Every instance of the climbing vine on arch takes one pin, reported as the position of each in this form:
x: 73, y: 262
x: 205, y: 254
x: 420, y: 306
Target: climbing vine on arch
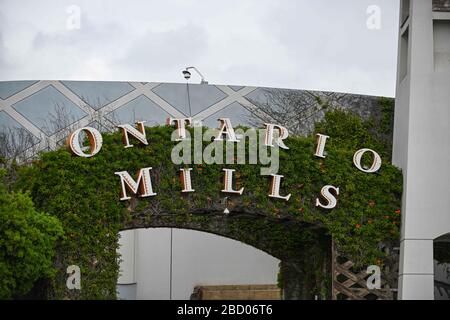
x: 83, y: 193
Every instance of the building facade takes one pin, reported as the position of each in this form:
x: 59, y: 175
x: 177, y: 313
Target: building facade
x: 38, y: 115
x: 422, y: 140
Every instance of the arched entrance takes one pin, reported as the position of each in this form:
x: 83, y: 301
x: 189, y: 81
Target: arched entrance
x: 304, y: 250
x: 183, y: 264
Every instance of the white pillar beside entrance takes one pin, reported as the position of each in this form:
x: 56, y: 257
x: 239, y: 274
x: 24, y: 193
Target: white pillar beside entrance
x: 416, y: 269
x: 421, y: 146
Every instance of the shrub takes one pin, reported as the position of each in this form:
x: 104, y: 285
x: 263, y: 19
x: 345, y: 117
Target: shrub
x: 27, y: 243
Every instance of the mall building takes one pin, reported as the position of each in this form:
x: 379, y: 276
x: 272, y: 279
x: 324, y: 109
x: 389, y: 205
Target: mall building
x: 160, y: 263
x: 421, y: 146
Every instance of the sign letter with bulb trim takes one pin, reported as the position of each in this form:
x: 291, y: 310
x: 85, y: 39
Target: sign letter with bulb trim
x: 142, y: 186
x: 228, y: 182
x: 226, y: 129
x: 376, y: 164
x: 185, y: 177
x: 269, y: 139
x: 138, y: 133
x: 95, y: 142
x: 180, y: 125
x: 327, y: 195
x: 321, y: 141
x: 275, y: 188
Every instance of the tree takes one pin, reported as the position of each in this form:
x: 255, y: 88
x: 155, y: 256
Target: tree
x: 18, y: 145
x: 14, y: 144
x: 28, y: 240
x: 297, y: 110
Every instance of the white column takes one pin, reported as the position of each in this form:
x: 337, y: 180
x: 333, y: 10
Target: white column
x: 416, y: 278
x: 422, y: 145
x: 411, y: 143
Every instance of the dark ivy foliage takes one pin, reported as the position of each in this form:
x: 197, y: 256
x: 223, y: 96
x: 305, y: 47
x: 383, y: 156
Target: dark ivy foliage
x: 83, y: 193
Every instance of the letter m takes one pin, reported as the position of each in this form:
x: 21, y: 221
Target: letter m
x: 142, y: 186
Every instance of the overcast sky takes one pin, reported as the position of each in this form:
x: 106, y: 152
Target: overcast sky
x: 301, y: 44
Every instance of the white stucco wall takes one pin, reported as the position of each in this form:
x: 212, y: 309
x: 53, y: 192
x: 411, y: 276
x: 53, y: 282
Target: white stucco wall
x: 198, y: 258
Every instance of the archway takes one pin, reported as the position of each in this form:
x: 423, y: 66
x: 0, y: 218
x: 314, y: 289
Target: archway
x: 304, y: 250
x: 173, y: 263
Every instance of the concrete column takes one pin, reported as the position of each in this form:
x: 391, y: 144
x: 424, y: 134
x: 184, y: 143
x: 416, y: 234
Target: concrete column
x: 413, y: 133
x: 416, y: 278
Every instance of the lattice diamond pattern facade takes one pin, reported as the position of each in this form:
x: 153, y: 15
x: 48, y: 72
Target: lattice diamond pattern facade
x: 49, y: 110
x: 36, y: 105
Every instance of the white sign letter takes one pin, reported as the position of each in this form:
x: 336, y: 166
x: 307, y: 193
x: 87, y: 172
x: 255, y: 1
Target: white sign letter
x: 327, y: 195
x: 185, y: 177
x: 283, y: 133
x: 142, y: 185
x: 138, y: 134
x: 95, y: 142
x: 275, y: 188
x: 226, y: 129
x: 228, y: 182
x: 180, y: 125
x: 376, y: 164
x: 321, y: 140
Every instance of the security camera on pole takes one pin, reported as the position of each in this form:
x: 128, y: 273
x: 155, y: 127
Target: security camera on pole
x: 187, y: 76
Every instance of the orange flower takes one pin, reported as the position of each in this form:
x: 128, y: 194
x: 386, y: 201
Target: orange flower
x: 386, y: 217
x: 371, y: 203
x: 357, y: 226
x: 397, y: 211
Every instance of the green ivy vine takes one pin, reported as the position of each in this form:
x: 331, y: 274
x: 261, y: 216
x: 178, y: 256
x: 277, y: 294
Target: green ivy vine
x: 83, y: 193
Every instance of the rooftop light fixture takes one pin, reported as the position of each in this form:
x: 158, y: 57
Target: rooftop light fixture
x: 187, y: 75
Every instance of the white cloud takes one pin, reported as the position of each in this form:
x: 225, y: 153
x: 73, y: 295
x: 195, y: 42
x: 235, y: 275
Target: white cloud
x: 322, y: 44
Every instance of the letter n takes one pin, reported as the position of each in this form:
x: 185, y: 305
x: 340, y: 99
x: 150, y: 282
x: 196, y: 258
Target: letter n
x: 138, y: 133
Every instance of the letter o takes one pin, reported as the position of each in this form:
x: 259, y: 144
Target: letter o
x: 95, y: 142
x: 376, y: 164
